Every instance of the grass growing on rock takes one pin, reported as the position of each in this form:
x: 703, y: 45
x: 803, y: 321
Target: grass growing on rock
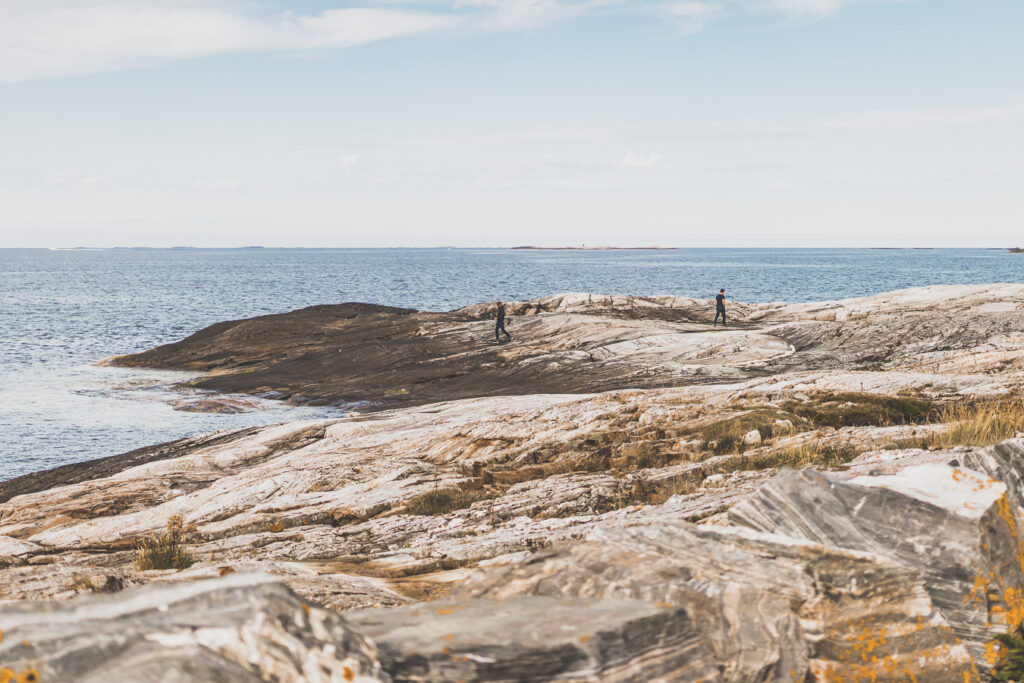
x: 443, y: 501
x: 977, y: 423
x: 860, y: 410
x: 641, y: 490
x: 167, y: 550
x: 726, y: 436
x: 1010, y: 665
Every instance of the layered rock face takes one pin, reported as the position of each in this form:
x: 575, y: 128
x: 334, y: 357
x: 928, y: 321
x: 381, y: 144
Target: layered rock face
x: 239, y: 628
x: 381, y: 357
x: 957, y: 527
x: 623, y: 534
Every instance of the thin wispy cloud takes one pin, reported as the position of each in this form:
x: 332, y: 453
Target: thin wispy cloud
x: 647, y: 161
x: 67, y: 37
x: 903, y: 119
x: 217, y: 184
x: 41, y: 38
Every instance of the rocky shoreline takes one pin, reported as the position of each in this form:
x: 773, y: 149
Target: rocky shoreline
x: 622, y: 493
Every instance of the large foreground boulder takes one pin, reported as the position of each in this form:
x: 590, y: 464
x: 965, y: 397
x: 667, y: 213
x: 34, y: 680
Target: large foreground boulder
x: 533, y: 638
x: 956, y: 527
x: 237, y: 628
x: 768, y: 608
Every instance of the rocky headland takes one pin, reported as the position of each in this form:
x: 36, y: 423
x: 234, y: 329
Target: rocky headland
x: 830, y: 491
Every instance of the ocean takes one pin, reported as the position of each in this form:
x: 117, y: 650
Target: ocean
x: 63, y: 310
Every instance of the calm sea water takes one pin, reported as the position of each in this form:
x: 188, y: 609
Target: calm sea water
x: 61, y: 311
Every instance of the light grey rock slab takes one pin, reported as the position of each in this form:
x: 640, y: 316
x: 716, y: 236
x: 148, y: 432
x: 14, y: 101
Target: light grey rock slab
x: 768, y: 607
x: 955, y: 527
x: 536, y: 638
x: 242, y: 627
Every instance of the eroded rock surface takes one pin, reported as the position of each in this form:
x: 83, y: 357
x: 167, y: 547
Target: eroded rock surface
x: 768, y: 607
x: 571, y: 343
x: 239, y: 628
x: 527, y: 511
x: 533, y: 638
x: 955, y: 526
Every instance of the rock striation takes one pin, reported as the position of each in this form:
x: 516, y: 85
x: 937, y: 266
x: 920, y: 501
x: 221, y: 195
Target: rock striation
x: 238, y: 628
x: 621, y: 494
x: 378, y: 357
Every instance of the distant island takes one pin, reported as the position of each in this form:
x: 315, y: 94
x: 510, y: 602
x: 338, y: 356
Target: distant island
x: 1016, y: 250
x: 597, y: 248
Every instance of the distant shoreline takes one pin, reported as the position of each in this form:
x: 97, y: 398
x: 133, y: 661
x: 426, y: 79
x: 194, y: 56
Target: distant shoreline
x: 598, y: 248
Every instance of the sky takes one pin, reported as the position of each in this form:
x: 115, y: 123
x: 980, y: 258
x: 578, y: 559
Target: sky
x: 690, y: 123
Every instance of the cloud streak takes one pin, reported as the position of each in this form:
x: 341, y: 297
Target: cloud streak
x: 47, y: 38
x: 40, y: 38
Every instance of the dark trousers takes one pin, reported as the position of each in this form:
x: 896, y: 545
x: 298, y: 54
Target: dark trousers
x: 720, y: 312
x: 498, y: 329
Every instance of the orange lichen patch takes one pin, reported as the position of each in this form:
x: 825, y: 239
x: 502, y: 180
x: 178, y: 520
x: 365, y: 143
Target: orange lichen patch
x: 449, y: 610
x: 1005, y: 512
x: 663, y: 605
x: 449, y: 637
x: 1011, y: 611
x: 993, y: 652
x: 28, y: 676
x: 305, y: 608
x: 891, y: 666
x: 584, y: 639
x: 6, y: 675
x: 348, y: 674
x: 276, y: 526
x: 979, y: 590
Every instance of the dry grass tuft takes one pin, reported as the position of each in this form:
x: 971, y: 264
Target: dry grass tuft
x: 860, y: 410
x: 726, y: 436
x: 807, y: 455
x: 167, y: 550
x: 442, y: 501
x: 980, y: 423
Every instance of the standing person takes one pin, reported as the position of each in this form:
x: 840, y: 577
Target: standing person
x: 720, y: 307
x: 500, y: 326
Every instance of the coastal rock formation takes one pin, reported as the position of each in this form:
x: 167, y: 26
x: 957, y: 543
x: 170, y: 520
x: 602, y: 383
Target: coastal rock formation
x: 538, y: 639
x: 955, y: 526
x: 376, y: 357
x: 768, y: 607
x: 632, y: 498
x: 239, y: 628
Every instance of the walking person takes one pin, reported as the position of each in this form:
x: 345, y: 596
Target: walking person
x: 499, y: 328
x: 720, y: 307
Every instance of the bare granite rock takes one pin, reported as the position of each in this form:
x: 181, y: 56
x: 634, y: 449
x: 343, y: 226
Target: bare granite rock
x: 544, y: 513
x: 533, y: 638
x: 767, y: 607
x: 956, y: 527
x: 238, y: 628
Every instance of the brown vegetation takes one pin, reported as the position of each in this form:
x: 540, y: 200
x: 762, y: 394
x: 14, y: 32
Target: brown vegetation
x: 165, y: 550
x: 442, y: 501
x: 975, y: 423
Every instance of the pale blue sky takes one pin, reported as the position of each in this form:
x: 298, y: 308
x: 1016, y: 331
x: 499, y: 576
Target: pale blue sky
x: 506, y: 122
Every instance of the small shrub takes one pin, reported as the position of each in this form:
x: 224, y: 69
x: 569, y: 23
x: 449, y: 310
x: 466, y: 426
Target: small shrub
x: 726, y: 436
x: 166, y: 550
x: 442, y: 501
x: 860, y: 410
x: 1010, y: 665
x: 82, y: 583
x: 812, y: 454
